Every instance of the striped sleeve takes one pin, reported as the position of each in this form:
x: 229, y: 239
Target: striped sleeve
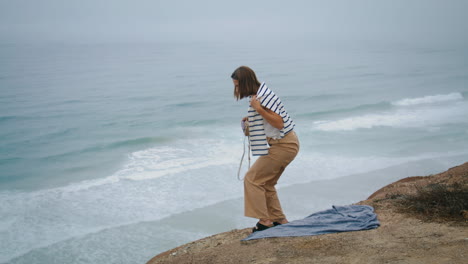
x: 271, y: 101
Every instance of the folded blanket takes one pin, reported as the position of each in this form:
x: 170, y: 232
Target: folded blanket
x: 337, y: 219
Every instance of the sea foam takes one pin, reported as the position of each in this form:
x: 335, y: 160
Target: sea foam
x: 144, y: 191
x: 427, y: 111
x: 153, y: 184
x: 430, y: 99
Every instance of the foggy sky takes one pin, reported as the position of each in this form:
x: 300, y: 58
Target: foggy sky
x: 62, y: 20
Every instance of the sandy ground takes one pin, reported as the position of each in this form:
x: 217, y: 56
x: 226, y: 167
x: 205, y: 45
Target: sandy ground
x: 401, y: 238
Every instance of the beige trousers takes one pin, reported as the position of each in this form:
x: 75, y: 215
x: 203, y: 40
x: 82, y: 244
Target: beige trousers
x: 260, y: 197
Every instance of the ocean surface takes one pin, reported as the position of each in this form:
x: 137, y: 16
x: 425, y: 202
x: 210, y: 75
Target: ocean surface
x: 115, y: 152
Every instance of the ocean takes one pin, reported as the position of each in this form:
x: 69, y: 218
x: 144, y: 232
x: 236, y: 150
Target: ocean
x: 115, y: 152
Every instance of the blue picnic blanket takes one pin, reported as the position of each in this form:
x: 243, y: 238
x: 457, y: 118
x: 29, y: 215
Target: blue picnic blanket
x: 334, y: 220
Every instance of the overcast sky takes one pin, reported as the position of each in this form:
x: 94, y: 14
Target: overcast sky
x: 423, y: 20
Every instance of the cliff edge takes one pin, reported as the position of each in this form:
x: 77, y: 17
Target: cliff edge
x: 409, y: 232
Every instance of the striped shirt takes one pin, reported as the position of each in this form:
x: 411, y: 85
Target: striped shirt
x: 257, y: 136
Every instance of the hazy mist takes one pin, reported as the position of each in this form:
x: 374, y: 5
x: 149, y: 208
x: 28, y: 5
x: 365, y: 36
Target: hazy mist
x: 146, y: 20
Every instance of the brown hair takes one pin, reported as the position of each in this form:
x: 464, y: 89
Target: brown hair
x: 248, y: 83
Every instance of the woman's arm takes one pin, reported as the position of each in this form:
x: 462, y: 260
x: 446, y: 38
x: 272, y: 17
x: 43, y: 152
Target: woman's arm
x: 271, y: 117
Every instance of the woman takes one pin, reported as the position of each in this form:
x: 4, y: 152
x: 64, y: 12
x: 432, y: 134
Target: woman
x: 272, y: 138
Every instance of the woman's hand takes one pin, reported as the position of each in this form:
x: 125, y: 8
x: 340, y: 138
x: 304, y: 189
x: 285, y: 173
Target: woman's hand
x: 271, y: 117
x: 255, y: 103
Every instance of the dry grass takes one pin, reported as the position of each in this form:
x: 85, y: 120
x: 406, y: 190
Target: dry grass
x: 436, y: 201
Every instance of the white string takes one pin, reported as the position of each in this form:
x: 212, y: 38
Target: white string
x: 242, y: 159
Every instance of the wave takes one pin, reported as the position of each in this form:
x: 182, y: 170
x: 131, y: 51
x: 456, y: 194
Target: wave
x: 171, y: 232
x: 188, y: 104
x: 8, y: 160
x: 419, y: 115
x: 137, y: 192
x: 381, y: 106
x: 110, y: 146
x: 154, y: 183
x: 386, y: 105
x: 56, y: 134
x: 157, y: 162
x: 16, y: 118
x: 7, y: 118
x: 198, y: 123
x: 137, y: 141
x: 430, y: 99
x: 314, y: 98
x: 59, y: 214
x: 365, y: 121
